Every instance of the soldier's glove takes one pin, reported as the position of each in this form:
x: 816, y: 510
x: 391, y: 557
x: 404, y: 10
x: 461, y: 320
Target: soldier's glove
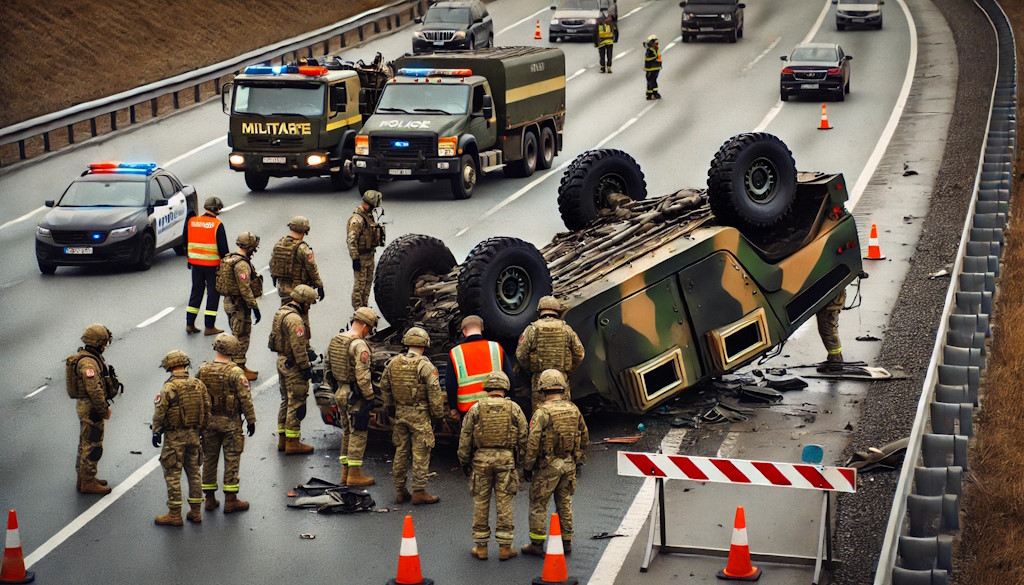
x: 273, y: 279
x: 467, y: 468
x: 251, y: 428
x: 320, y: 292
x: 356, y: 265
x: 527, y: 474
x: 256, y: 314
x: 311, y: 354
x: 307, y: 374
x: 156, y: 439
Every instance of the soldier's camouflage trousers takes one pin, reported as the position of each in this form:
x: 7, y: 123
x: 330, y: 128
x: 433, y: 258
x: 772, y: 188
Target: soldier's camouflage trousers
x: 493, y: 470
x: 341, y: 401
x: 240, y: 320
x: 355, y: 446
x: 558, y: 478
x: 294, y: 390
x: 828, y: 324
x: 181, y: 450
x: 90, y: 439
x: 222, y: 433
x: 363, y: 282
x: 413, y: 437
x: 284, y: 289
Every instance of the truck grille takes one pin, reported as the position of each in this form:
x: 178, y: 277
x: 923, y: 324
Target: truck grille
x: 571, y: 22
x: 275, y: 141
x: 809, y: 75
x: 858, y: 13
x: 425, y: 146
x: 77, y: 238
x: 439, y: 35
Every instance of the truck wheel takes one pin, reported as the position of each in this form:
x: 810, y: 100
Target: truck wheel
x: 752, y: 181
x: 256, y: 181
x: 402, y: 262
x: 548, y: 144
x: 686, y: 38
x: 591, y: 178
x: 528, y: 164
x: 46, y: 267
x: 147, y: 251
x: 501, y: 281
x: 367, y: 182
x: 465, y: 181
x: 345, y: 178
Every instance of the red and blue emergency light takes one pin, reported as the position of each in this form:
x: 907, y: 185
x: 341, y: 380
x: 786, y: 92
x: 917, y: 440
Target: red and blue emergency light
x: 138, y: 168
x: 307, y: 70
x: 426, y: 72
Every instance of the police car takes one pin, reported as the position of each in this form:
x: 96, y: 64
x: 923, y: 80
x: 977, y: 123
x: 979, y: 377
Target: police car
x: 115, y: 213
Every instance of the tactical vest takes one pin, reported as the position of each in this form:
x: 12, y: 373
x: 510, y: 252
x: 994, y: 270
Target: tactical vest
x: 551, y: 346
x: 227, y: 281
x: 284, y: 262
x: 75, y: 386
x: 278, y: 337
x: 494, y: 429
x: 405, y: 383
x: 342, y: 367
x: 185, y: 405
x: 561, y: 438
x: 371, y: 236
x: 223, y: 394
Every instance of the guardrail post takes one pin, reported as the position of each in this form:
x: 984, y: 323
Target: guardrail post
x: 113, y: 121
x: 131, y: 114
x: 46, y: 141
x: 21, y: 149
x: 376, y: 26
x: 153, y: 107
x: 360, y: 34
x: 71, y: 133
x: 92, y: 126
x: 195, y: 94
x: 174, y: 99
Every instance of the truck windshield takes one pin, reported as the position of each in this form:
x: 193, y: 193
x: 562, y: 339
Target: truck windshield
x: 443, y: 14
x: 407, y: 98
x: 305, y: 99
x: 578, y: 5
x: 104, y: 194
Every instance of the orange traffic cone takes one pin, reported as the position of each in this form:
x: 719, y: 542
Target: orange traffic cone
x: 824, y: 119
x: 536, y: 34
x: 13, y: 568
x: 555, y: 570
x: 738, y: 568
x: 409, y: 559
x: 874, y: 251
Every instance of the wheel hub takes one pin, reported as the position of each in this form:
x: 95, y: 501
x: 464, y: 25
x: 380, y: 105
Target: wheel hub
x: 609, y: 185
x: 761, y: 181
x: 469, y: 176
x: 514, y: 290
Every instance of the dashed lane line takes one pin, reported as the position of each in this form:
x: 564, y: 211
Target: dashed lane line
x: 575, y: 75
x: 37, y: 390
x: 770, y: 48
x: 521, y: 21
x: 232, y: 206
x: 622, y: 54
x: 155, y: 318
x: 24, y: 217
x: 634, y: 11
x: 200, y: 148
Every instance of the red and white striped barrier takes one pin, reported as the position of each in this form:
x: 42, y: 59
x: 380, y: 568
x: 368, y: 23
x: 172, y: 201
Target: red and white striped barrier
x: 738, y: 471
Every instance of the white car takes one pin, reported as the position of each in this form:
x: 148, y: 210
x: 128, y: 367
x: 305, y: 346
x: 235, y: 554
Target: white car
x: 854, y: 13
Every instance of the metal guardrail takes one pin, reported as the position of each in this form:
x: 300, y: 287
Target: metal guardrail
x: 918, y: 544
x: 303, y: 45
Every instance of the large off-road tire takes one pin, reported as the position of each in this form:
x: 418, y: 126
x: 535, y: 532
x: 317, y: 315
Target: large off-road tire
x: 501, y: 281
x: 367, y: 182
x: 256, y: 181
x: 752, y: 181
x: 402, y: 262
x: 525, y: 166
x: 591, y: 178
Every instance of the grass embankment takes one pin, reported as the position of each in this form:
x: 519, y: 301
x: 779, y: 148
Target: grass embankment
x: 991, y: 545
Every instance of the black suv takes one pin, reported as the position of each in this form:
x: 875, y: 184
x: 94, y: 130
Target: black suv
x: 721, y: 18
x: 454, y: 25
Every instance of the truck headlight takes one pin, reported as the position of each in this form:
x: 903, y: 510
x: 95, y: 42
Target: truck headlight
x: 236, y: 160
x: 687, y: 16
x: 42, y: 232
x: 446, y: 146
x: 554, y: 21
x: 590, y: 21
x: 461, y: 34
x: 727, y: 17
x: 315, y: 160
x: 123, y: 232
x: 363, y: 145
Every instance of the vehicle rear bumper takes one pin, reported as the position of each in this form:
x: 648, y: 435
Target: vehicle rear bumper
x: 716, y: 28
x: 794, y: 87
x: 107, y: 252
x: 406, y: 169
x: 294, y: 164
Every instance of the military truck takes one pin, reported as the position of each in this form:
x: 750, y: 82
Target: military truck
x: 665, y: 293
x: 456, y: 115
x: 300, y: 120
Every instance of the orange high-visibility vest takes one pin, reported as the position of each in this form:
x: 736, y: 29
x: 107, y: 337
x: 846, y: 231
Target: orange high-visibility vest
x: 202, y: 241
x: 474, y: 361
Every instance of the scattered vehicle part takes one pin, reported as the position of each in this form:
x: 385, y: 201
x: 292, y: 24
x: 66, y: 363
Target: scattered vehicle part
x: 762, y: 394
x: 888, y: 458
x: 867, y: 337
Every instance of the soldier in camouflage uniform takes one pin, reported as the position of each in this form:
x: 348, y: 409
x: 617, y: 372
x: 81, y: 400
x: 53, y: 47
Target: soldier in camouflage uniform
x: 182, y: 411
x: 230, y: 399
x: 240, y: 285
x: 410, y: 389
x: 348, y: 362
x: 828, y: 329
x: 292, y: 262
x: 364, y: 236
x: 557, y: 443
x: 289, y: 337
x: 92, y: 383
x: 493, y: 439
x: 548, y: 343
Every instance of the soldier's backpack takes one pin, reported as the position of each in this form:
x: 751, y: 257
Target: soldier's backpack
x: 277, y: 334
x: 74, y: 389
x: 338, y: 352
x: 227, y: 283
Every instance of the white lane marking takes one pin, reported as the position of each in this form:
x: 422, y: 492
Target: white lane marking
x: 93, y: 511
x: 12, y: 283
x: 634, y: 11
x: 155, y: 318
x: 177, y: 159
x: 38, y: 390
x: 769, y: 117
x: 770, y: 48
x: 264, y: 269
x: 674, y: 42
x: 575, y: 75
x: 270, y: 382
x: 622, y: 54
x: 232, y: 206
x: 504, y: 202
x: 521, y: 21
x: 727, y: 450
x: 24, y: 217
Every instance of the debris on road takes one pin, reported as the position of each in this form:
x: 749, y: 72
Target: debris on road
x: 722, y: 413
x: 136, y: 452
x: 307, y: 536
x: 605, y: 535
x: 867, y: 337
x: 761, y: 394
x: 888, y: 458
x: 938, y: 274
x: 629, y: 440
x: 907, y: 171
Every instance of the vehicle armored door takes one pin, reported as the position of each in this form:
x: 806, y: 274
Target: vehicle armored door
x: 338, y: 103
x: 172, y: 224
x: 482, y: 128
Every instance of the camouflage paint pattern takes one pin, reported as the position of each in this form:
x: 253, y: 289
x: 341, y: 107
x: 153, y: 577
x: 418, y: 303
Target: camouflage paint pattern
x: 181, y: 450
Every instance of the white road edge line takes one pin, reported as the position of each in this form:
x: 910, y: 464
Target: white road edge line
x: 770, y: 48
x: 155, y: 318
x: 521, y: 21
x: 177, y: 159
x: 37, y: 390
x: 575, y: 75
x: 270, y: 382
x: 622, y: 54
x: 24, y: 217
x: 232, y: 206
x: 264, y: 269
x: 634, y: 11
x: 674, y: 42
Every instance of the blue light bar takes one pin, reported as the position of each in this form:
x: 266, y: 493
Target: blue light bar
x: 400, y: 144
x: 271, y: 69
x: 428, y: 72
x: 148, y: 166
x: 97, y: 237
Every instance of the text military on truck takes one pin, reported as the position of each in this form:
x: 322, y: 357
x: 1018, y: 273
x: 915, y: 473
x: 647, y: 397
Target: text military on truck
x: 300, y: 120
x: 453, y: 116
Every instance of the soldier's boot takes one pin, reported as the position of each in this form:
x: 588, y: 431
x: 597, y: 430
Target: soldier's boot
x: 506, y: 552
x: 171, y: 518
x: 280, y: 441
x: 356, y: 478
x: 250, y: 374
x: 196, y: 514
x: 89, y: 485
x: 535, y: 548
x: 233, y: 504
x: 422, y: 497
x: 566, y: 546
x: 479, y: 551
x: 293, y: 446
x: 402, y: 495
x: 101, y: 481
x: 211, y: 501
x: 212, y: 331
x: 344, y: 474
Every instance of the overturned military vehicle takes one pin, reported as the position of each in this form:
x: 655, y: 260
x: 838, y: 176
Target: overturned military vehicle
x: 664, y: 292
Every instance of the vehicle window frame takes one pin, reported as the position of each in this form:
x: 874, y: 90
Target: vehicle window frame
x: 152, y: 196
x: 331, y: 113
x: 170, y: 183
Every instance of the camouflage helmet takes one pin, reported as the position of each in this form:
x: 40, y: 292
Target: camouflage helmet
x: 175, y: 358
x: 304, y: 294
x: 247, y: 241
x: 552, y: 381
x: 549, y: 303
x: 213, y: 204
x: 96, y: 335
x: 299, y: 224
x: 372, y: 197
x: 226, y: 344
x: 416, y: 337
x: 367, y: 316
x: 496, y: 381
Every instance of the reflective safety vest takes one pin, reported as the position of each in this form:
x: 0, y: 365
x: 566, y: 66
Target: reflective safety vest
x: 652, y: 59
x: 605, y: 36
x: 474, y: 361
x: 202, y: 241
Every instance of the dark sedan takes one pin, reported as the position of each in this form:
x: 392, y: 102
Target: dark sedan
x: 115, y: 213
x: 454, y: 25
x: 815, y: 68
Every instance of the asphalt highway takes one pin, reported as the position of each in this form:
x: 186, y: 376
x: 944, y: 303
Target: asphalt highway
x: 711, y: 91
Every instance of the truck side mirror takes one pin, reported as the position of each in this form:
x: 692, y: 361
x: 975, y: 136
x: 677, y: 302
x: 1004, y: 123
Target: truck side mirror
x: 225, y: 97
x: 553, y: 7
x: 848, y: 58
x: 488, y: 107
x: 339, y: 100
x: 741, y: 5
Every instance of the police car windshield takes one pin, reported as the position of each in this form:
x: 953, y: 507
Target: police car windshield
x: 278, y: 99
x: 578, y: 5
x: 104, y: 194
x: 436, y: 98
x: 443, y: 14
x: 814, y: 54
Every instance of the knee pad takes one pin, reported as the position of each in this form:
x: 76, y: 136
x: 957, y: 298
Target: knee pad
x: 300, y: 412
x: 95, y: 434
x: 95, y: 453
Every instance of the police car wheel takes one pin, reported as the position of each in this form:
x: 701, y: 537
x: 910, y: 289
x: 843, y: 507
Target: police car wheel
x: 47, y: 267
x: 464, y: 182
x: 147, y: 251
x: 256, y: 181
x: 403, y: 262
x: 752, y: 181
x: 591, y: 178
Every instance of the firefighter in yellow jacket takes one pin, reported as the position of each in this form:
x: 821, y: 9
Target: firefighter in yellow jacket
x: 605, y: 35
x: 652, y: 66
x: 548, y: 343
